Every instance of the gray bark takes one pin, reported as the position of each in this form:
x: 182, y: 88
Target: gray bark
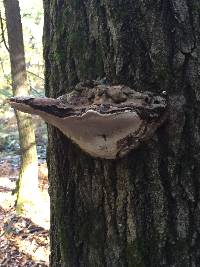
x: 142, y: 210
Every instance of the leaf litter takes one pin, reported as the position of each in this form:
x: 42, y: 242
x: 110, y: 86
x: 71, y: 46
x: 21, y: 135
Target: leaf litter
x: 22, y: 241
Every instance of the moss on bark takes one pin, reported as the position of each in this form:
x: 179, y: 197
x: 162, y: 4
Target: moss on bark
x: 151, y: 197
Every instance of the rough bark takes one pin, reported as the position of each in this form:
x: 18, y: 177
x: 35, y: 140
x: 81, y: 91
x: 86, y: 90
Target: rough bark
x: 28, y: 178
x: 142, y: 210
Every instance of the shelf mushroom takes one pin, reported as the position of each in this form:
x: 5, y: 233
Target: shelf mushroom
x: 104, y: 121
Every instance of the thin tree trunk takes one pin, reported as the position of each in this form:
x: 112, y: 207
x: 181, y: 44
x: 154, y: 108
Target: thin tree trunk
x: 28, y: 178
x: 142, y: 210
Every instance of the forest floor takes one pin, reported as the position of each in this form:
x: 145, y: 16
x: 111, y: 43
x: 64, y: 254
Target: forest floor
x: 24, y: 240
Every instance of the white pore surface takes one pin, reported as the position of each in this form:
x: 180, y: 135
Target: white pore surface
x: 95, y: 133
x: 98, y: 134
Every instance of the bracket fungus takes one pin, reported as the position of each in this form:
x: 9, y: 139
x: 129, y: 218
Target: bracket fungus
x: 105, y: 121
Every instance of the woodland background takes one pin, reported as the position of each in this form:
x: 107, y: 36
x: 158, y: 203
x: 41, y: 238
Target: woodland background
x: 23, y: 239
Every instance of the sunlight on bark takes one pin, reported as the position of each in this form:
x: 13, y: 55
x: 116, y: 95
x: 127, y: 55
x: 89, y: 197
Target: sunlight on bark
x: 28, y: 187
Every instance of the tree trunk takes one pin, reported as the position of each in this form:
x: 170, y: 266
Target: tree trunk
x: 28, y: 178
x: 144, y: 209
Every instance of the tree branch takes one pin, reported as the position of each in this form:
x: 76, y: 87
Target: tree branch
x: 3, y: 36
x: 30, y: 72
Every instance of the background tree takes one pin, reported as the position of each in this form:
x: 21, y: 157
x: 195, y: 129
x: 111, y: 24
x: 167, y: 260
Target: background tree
x: 28, y: 178
x: 142, y: 210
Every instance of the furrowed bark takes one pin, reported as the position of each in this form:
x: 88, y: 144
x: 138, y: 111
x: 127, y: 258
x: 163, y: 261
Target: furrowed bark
x: 142, y: 210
